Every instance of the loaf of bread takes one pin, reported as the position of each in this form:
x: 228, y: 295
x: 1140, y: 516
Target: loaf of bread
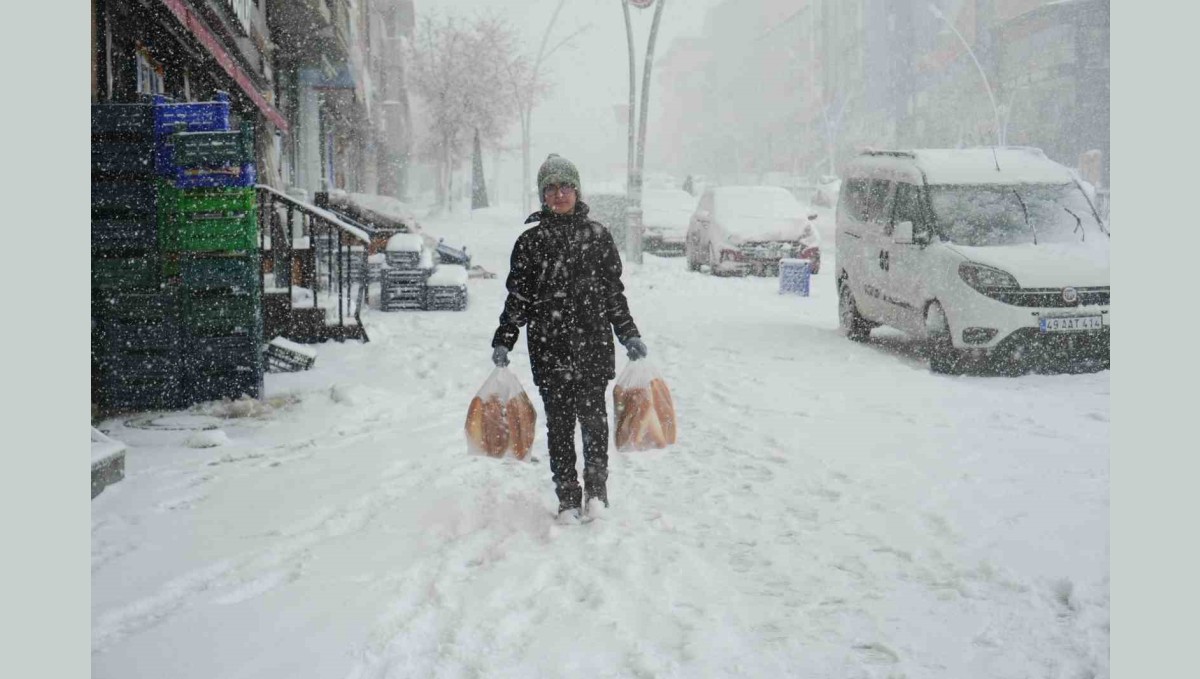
x: 645, y: 417
x: 497, y: 429
x: 522, y: 419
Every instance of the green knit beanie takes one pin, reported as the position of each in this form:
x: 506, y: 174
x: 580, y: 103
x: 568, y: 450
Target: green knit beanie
x: 557, y: 170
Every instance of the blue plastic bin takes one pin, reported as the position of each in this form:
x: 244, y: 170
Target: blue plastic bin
x: 794, y: 276
x: 199, y: 116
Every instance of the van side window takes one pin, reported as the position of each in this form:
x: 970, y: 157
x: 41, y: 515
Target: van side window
x: 908, y: 207
x: 854, y: 198
x: 878, y: 206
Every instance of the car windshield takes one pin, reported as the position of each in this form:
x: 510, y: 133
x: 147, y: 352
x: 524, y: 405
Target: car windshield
x: 994, y: 215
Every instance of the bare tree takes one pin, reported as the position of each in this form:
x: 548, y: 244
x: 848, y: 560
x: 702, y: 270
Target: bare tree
x: 459, y: 69
x: 529, y: 87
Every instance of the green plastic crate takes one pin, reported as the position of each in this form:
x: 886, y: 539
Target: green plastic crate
x: 126, y: 273
x: 205, y: 201
x: 207, y: 220
x: 210, y: 235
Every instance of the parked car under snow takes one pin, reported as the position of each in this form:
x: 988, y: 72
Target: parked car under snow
x: 739, y: 230
x: 665, y: 217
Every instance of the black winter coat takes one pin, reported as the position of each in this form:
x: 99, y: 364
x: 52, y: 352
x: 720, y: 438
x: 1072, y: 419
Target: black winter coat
x: 565, y: 284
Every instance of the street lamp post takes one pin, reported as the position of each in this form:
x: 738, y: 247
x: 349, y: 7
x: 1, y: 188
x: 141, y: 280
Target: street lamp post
x: 991, y: 96
x: 633, y: 210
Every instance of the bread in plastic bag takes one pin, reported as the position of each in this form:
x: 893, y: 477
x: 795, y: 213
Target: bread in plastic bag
x: 643, y: 409
x: 501, y: 418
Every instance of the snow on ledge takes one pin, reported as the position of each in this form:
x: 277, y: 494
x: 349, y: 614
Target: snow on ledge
x: 286, y: 343
x: 105, y: 448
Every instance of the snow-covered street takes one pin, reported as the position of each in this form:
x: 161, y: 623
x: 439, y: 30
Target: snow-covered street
x: 831, y: 509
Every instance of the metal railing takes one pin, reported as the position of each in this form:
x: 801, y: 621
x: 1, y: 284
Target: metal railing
x: 333, y: 262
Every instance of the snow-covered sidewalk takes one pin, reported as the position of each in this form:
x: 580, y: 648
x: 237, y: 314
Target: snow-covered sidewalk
x: 830, y: 510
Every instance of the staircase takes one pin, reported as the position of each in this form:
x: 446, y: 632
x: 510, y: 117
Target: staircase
x: 312, y: 251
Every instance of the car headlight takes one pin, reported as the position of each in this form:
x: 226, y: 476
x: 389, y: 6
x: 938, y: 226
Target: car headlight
x: 983, y: 277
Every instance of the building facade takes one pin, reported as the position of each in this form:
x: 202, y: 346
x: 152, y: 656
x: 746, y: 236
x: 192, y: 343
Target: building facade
x: 321, y: 81
x: 803, y: 89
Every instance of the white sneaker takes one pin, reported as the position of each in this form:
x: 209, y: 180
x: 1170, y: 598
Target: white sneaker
x: 569, y: 517
x: 594, y: 509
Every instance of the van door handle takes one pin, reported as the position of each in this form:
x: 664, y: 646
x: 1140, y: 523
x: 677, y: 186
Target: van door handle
x: 885, y: 260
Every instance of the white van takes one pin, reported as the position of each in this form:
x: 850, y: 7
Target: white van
x: 989, y: 253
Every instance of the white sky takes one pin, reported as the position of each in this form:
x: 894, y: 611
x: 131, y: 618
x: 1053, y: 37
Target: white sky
x: 578, y: 121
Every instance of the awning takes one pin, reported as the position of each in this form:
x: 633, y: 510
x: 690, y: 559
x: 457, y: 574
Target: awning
x: 197, y: 28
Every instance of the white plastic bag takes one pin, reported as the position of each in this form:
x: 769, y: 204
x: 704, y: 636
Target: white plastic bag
x: 642, y: 408
x: 501, y: 419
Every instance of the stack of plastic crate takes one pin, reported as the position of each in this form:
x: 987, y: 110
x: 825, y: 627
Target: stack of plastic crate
x: 135, y: 329
x: 446, y: 288
x: 409, y: 264
x: 211, y: 235
x: 208, y: 234
x: 141, y: 349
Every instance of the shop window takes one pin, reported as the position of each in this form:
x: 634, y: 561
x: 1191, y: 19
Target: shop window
x: 150, y: 73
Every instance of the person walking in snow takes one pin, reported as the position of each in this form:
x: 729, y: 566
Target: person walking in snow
x: 565, y: 286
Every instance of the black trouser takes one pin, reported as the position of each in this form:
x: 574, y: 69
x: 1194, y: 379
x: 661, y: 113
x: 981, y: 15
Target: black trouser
x: 565, y: 403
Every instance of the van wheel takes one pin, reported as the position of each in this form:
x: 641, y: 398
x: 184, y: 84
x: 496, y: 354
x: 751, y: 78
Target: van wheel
x: 943, y: 357
x: 850, y: 322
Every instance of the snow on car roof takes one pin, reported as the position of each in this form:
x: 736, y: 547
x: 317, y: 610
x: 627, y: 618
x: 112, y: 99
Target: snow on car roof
x: 771, y: 202
x: 759, y: 213
x: 670, y: 208
x: 405, y: 242
x: 978, y: 166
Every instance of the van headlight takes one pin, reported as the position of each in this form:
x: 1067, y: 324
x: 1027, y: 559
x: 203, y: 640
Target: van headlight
x: 982, y: 277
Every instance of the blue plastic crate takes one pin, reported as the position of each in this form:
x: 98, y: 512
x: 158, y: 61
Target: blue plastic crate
x: 794, y: 276
x: 198, y: 116
x: 230, y: 177
x: 224, y: 150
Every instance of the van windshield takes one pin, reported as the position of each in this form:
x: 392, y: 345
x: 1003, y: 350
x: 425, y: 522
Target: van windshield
x: 991, y: 215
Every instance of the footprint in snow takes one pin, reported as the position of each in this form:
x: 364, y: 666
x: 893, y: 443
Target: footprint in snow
x: 876, y: 654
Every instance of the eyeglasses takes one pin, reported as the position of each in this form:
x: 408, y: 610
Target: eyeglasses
x: 560, y: 189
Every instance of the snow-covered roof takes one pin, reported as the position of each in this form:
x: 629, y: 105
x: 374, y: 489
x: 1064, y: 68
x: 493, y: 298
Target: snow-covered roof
x: 405, y: 242
x: 448, y: 276
x: 386, y: 205
x: 978, y: 166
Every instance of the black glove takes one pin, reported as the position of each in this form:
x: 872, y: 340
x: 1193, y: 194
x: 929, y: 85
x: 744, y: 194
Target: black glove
x: 636, y: 349
x: 500, y: 357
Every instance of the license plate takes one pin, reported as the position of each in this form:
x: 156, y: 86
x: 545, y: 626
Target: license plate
x: 1071, y: 323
